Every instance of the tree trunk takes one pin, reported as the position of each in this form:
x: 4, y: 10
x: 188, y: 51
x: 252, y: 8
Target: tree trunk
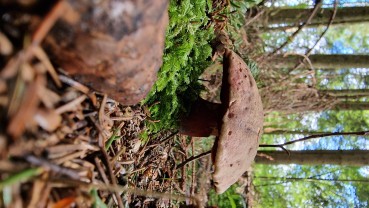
x: 352, y: 106
x: 315, y: 157
x: 298, y: 16
x: 283, y: 132
x: 337, y: 61
x: 342, y: 94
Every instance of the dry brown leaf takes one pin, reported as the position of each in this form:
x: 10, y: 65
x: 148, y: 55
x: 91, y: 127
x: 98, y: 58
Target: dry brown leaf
x: 136, y: 146
x: 69, y: 95
x: 3, y: 144
x: 27, y: 108
x: 3, y: 87
x: 42, y: 56
x: 6, y: 47
x: 49, y: 120
x: 48, y: 97
x: 4, y: 100
x: 65, y: 202
x: 63, y: 149
x: 40, y: 188
x: 71, y: 106
x: 11, y: 68
x: 27, y: 72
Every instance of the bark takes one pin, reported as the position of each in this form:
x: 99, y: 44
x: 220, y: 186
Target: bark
x: 336, y: 61
x: 315, y: 157
x: 298, y: 16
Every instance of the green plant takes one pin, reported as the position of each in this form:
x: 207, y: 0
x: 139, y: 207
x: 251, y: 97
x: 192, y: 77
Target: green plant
x: 230, y: 198
x: 187, y: 54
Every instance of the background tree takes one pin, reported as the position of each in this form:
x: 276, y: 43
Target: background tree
x: 326, y: 93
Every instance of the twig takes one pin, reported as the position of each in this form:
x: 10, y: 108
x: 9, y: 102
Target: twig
x: 74, y: 84
x: 111, y: 175
x: 169, y: 137
x: 290, y: 38
x: 254, y: 18
x: 103, y: 175
x: 119, y: 188
x: 322, y: 35
x: 48, y: 22
x: 193, y: 158
x: 52, y: 167
x: 71, y: 105
x: 193, y: 168
x: 306, y: 57
x: 356, y: 133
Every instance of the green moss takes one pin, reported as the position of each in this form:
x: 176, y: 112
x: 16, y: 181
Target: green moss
x: 187, y: 54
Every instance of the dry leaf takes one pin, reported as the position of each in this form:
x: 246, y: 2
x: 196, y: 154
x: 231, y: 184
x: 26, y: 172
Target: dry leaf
x: 6, y: 47
x: 49, y: 120
x: 48, y: 97
x: 71, y: 106
x: 3, y: 87
x: 65, y: 202
x: 27, y: 108
x: 42, y: 56
x: 27, y: 72
x: 136, y: 146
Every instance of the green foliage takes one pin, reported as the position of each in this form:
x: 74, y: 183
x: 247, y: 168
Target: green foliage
x: 236, y: 20
x: 97, y: 202
x: 235, y: 28
x: 187, y: 54
x: 352, y: 37
x: 20, y: 177
x: 332, y: 188
x: 230, y: 198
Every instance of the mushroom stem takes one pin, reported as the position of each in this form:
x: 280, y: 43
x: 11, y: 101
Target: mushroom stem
x: 203, y: 119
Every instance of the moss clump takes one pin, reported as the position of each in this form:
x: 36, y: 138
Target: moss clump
x: 187, y: 54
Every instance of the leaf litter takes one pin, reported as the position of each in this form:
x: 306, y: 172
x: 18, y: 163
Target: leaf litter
x: 63, y: 145
x: 51, y: 133
x: 52, y: 130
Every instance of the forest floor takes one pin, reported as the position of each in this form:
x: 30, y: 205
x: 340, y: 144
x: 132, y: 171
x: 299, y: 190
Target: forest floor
x: 59, y: 139
x: 62, y: 144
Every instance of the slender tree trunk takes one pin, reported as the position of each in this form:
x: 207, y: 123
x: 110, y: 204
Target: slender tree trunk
x: 282, y: 132
x: 352, y: 106
x: 336, y: 61
x: 315, y: 157
x: 342, y: 94
x: 298, y: 16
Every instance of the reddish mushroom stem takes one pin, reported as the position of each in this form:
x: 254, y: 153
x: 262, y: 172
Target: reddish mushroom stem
x: 203, y: 120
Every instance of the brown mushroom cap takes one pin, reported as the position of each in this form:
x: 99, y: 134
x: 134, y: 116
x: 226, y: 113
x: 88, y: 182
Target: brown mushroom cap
x: 114, y: 47
x: 241, y: 126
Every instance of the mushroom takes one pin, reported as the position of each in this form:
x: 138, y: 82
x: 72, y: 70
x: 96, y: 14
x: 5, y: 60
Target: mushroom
x: 114, y: 47
x: 237, y: 122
